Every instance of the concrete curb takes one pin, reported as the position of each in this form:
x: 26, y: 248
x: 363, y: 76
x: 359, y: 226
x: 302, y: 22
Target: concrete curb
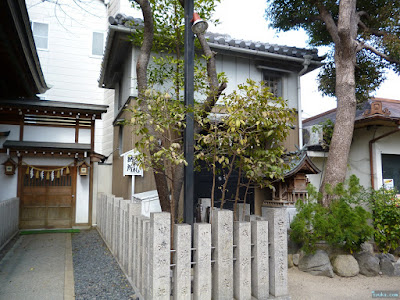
x: 69, y: 284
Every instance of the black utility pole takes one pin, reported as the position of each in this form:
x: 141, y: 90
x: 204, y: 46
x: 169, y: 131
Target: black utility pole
x: 189, y: 102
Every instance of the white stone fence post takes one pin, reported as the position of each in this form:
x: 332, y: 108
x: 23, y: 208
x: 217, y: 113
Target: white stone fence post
x: 223, y: 260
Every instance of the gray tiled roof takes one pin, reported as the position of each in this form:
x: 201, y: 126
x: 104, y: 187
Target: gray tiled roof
x: 392, y: 106
x: 226, y: 40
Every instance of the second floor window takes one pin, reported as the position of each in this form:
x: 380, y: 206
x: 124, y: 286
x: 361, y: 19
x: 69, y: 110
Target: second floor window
x: 274, y: 82
x: 97, y: 43
x: 41, y: 35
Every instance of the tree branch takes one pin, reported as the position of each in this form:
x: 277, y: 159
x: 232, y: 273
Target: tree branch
x: 329, y: 22
x: 216, y: 89
x: 145, y: 50
x: 366, y: 29
x: 377, y: 52
x: 308, y: 20
x: 141, y: 74
x: 211, y: 69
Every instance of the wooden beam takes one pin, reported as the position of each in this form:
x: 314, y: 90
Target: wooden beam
x: 77, y: 130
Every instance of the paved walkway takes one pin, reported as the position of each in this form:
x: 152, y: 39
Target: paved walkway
x: 38, y: 266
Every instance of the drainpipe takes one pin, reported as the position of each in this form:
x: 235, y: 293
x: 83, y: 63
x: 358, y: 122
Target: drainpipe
x: 306, y: 63
x: 371, y: 161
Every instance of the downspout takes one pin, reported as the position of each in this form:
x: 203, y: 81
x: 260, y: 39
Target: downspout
x: 306, y: 63
x: 371, y: 161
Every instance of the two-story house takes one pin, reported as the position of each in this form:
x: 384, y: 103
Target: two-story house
x: 280, y: 67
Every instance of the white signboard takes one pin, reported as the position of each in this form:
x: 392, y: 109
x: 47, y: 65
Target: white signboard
x: 388, y: 184
x: 131, y: 165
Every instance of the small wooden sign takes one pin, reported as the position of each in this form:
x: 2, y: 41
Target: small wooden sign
x: 131, y: 164
x: 9, y: 167
x: 84, y: 169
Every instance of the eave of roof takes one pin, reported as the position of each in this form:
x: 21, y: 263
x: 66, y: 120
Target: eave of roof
x: 58, y: 106
x: 302, y: 164
x: 46, y: 146
x: 20, y: 59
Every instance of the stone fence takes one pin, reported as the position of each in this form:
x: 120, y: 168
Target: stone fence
x: 222, y: 260
x: 9, y: 219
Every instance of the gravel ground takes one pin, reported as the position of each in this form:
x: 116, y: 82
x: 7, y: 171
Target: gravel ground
x: 97, y: 275
x: 304, y: 286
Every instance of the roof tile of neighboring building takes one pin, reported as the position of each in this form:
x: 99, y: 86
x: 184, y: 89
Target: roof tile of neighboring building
x: 374, y: 109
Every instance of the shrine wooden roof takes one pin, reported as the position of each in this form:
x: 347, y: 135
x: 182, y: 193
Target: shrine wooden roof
x: 301, y: 163
x: 74, y: 150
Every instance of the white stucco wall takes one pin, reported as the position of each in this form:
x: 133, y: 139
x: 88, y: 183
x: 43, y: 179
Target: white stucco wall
x: 387, y: 145
x: 359, y: 161
x: 8, y: 183
x: 102, y: 184
x: 13, y: 136
x: 55, y: 134
x: 108, y: 128
x: 42, y: 161
x: 236, y: 69
x: 82, y: 199
x: 319, y: 162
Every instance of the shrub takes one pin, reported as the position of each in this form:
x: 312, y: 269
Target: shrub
x: 344, y: 224
x: 386, y: 212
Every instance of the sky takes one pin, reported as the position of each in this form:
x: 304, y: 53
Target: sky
x: 246, y: 21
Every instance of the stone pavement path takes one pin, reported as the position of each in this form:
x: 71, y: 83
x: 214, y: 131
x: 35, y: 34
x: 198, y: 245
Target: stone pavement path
x: 53, y: 266
x: 39, y: 267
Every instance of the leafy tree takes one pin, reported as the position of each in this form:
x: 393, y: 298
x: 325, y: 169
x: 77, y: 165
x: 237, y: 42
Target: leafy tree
x: 386, y: 217
x: 343, y: 224
x: 162, y: 32
x: 247, y: 137
x: 364, y: 37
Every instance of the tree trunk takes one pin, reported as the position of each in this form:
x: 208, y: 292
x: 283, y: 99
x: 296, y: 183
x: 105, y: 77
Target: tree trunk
x: 177, y: 188
x: 336, y: 167
x: 162, y: 190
